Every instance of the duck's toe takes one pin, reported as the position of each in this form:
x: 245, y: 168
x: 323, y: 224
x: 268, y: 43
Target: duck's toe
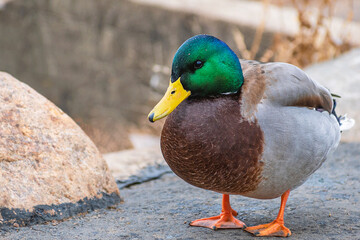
x: 273, y: 229
x: 224, y: 220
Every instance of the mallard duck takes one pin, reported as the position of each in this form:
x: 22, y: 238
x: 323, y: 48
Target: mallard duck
x: 240, y: 127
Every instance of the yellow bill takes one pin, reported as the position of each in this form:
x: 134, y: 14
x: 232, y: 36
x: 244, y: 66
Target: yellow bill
x: 174, y: 95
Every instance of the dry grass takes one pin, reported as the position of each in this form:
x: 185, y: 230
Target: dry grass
x: 313, y: 42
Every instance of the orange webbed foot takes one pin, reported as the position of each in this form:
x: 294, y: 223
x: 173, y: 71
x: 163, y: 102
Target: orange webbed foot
x: 276, y: 228
x: 273, y: 229
x: 224, y: 220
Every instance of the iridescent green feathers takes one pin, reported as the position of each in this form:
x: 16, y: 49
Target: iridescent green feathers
x: 207, y: 66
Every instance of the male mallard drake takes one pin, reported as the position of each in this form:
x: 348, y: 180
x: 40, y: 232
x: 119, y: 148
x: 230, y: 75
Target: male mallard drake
x: 243, y: 127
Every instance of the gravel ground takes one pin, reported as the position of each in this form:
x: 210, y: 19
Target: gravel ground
x: 325, y: 207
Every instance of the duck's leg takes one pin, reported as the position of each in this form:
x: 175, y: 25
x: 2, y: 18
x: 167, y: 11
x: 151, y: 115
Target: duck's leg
x: 275, y: 228
x: 225, y: 220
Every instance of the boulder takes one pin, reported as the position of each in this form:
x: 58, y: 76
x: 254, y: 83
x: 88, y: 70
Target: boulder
x: 49, y: 168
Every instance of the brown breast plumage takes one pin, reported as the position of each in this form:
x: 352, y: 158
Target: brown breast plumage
x: 210, y: 145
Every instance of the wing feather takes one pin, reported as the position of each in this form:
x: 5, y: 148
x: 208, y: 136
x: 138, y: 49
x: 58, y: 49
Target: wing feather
x: 282, y: 84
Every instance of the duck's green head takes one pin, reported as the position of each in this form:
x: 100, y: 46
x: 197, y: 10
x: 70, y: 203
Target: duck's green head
x: 202, y: 66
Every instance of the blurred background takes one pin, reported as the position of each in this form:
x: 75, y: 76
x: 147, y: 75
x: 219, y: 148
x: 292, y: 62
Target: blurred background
x: 106, y: 63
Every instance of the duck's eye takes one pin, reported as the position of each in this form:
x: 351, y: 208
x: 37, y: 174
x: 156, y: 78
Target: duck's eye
x: 198, y: 64
x: 172, y: 92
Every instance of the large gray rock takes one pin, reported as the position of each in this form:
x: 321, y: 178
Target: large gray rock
x: 49, y: 169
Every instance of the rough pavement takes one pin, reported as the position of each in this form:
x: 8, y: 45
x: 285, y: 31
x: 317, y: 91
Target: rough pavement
x: 325, y: 207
